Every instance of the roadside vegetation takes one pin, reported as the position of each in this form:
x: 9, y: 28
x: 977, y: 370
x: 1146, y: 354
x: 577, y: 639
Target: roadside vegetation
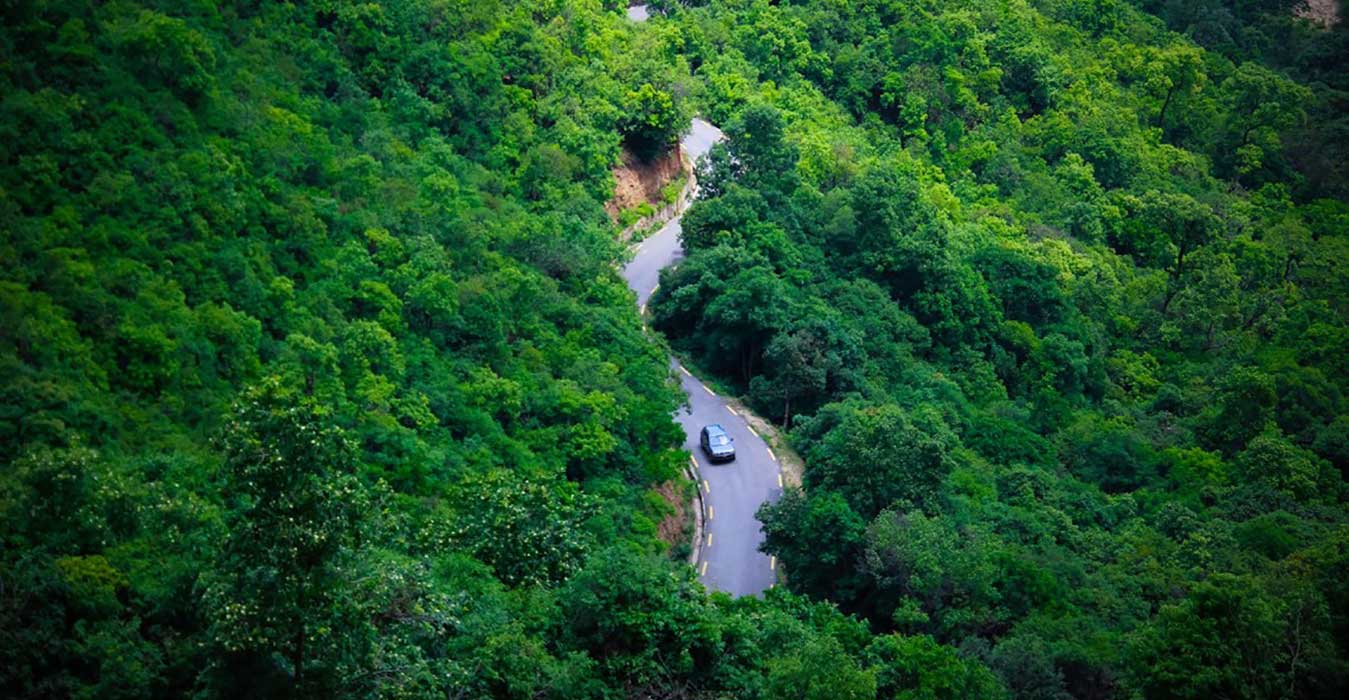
x: 1052, y: 300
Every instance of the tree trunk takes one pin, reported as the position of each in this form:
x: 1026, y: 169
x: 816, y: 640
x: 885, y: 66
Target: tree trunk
x: 298, y: 659
x: 1171, y: 290
x: 1161, y: 115
x: 1173, y: 285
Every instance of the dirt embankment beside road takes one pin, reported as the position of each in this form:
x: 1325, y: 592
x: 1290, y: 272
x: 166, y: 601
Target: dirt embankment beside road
x: 1323, y: 12
x: 638, y: 183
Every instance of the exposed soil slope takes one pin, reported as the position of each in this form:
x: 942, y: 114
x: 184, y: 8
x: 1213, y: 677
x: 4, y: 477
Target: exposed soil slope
x: 637, y: 182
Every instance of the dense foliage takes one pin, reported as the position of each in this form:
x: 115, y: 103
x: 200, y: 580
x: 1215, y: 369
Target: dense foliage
x: 303, y: 306
x: 1053, y: 300
x: 318, y: 380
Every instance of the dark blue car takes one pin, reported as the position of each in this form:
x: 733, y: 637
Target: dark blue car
x: 716, y: 444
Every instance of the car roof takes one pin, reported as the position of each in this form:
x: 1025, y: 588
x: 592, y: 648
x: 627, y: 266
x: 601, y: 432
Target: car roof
x: 715, y: 428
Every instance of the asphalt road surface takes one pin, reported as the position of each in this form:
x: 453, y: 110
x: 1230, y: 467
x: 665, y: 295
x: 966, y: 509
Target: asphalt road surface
x: 730, y: 559
x: 662, y: 247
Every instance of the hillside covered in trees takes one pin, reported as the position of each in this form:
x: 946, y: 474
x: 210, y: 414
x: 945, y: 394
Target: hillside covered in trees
x: 319, y: 381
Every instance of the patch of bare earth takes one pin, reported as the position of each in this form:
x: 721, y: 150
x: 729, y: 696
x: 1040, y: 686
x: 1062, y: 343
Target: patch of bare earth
x: 671, y: 529
x: 636, y: 182
x: 1323, y: 12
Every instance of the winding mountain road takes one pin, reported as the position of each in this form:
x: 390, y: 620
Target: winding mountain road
x: 729, y: 558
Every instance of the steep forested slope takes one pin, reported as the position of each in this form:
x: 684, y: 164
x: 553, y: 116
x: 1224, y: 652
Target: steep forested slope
x: 250, y: 242
x: 1055, y: 306
x: 310, y: 338
x: 318, y: 380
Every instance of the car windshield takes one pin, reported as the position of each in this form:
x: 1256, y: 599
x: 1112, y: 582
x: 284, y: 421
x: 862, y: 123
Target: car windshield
x: 719, y: 440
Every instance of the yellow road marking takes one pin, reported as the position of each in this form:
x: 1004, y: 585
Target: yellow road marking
x: 779, y: 479
x: 709, y: 539
x: 693, y: 462
x: 711, y: 513
x: 773, y: 563
x: 704, y: 571
x: 642, y: 310
x: 706, y: 486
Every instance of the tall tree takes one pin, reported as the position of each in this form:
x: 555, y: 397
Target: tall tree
x: 653, y: 120
x: 1171, y: 74
x: 276, y: 599
x: 876, y: 455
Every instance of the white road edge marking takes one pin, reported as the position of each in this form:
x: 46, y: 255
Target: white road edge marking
x: 773, y: 563
x: 685, y: 371
x: 709, y: 391
x: 653, y: 290
x: 779, y: 479
x: 704, y: 571
x: 709, y: 539
x: 706, y: 486
x: 771, y: 455
x: 752, y: 430
x: 733, y: 411
x: 711, y: 513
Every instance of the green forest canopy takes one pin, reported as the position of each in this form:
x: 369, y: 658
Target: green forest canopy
x: 319, y: 380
